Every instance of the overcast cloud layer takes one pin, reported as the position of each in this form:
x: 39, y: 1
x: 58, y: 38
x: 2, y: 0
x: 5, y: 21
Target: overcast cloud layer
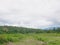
x: 30, y: 13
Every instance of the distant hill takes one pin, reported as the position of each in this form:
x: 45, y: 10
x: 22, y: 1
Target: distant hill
x: 14, y: 29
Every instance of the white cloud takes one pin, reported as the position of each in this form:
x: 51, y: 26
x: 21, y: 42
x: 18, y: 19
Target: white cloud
x: 30, y: 13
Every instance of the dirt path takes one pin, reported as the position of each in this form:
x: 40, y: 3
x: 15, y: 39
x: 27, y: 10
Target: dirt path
x: 28, y: 42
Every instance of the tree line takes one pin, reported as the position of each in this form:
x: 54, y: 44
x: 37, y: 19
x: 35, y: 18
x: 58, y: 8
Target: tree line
x: 14, y: 29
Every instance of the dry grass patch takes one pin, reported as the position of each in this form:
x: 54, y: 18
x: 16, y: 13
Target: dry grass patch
x: 28, y: 42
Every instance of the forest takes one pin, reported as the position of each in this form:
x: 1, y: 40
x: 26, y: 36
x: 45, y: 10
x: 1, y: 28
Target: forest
x: 23, y: 30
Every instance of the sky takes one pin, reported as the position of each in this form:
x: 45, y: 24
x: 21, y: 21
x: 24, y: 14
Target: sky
x: 30, y: 13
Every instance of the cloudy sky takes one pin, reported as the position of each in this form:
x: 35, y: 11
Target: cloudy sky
x: 30, y: 13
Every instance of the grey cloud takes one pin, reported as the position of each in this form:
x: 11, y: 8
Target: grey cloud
x: 55, y: 22
x: 30, y: 13
x: 5, y: 21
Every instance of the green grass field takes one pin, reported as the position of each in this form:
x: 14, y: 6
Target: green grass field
x: 30, y: 39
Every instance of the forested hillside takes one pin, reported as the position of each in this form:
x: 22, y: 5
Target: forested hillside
x: 13, y: 29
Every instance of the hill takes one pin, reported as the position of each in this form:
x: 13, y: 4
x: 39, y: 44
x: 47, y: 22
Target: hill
x: 14, y: 29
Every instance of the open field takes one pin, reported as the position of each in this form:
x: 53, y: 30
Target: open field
x: 30, y: 39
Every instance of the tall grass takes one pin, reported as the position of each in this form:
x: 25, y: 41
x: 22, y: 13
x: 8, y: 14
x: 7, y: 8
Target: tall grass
x: 48, y: 38
x: 4, y: 38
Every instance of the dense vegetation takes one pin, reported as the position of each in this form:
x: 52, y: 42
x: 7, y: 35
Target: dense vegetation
x: 15, y: 34
x: 11, y: 29
x: 31, y: 39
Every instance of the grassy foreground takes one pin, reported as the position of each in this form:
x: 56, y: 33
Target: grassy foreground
x: 30, y: 39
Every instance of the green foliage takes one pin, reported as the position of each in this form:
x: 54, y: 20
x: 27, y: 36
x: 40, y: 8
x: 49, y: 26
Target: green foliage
x: 13, y: 34
x: 4, y: 38
x: 48, y: 38
x: 11, y: 29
